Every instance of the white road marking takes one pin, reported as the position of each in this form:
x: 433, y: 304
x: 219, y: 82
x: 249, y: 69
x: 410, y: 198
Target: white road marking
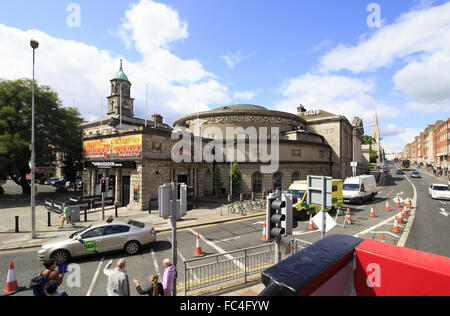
x: 94, y: 279
x: 385, y: 232
x: 368, y: 230
x: 259, y: 223
x: 220, y: 250
x: 227, y: 239
x: 443, y: 212
x: 155, y: 262
x: 412, y: 215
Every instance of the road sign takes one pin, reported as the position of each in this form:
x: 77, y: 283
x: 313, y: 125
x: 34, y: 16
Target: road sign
x: 329, y: 221
x: 315, y: 188
x: 354, y: 164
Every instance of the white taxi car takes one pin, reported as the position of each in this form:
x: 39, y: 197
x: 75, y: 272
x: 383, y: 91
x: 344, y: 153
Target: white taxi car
x: 439, y: 191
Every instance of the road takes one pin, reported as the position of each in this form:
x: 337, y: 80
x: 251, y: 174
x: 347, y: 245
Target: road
x: 431, y: 229
x: 428, y: 233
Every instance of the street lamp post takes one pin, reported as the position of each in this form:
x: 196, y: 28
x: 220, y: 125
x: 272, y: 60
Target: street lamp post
x: 353, y: 151
x: 34, y: 44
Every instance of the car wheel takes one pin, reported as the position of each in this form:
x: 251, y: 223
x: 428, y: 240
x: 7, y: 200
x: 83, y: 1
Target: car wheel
x: 132, y: 247
x: 60, y: 256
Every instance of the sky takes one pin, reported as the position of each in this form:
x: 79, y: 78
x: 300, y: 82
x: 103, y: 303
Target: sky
x: 346, y: 57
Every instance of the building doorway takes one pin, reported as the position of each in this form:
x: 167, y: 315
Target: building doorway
x: 125, y: 190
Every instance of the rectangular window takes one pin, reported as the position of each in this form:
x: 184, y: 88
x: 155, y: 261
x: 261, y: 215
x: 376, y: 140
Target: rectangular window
x: 321, y: 154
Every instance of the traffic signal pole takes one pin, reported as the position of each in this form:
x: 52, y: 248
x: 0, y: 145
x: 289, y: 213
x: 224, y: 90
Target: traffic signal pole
x: 173, y: 218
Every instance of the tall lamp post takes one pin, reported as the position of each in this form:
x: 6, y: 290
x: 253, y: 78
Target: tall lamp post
x: 353, y: 151
x: 34, y: 44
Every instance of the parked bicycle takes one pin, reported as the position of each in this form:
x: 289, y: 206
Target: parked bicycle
x: 236, y: 208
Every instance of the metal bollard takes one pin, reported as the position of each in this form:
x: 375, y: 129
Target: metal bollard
x: 85, y: 214
x: 117, y: 211
x: 49, y: 219
x: 17, y: 224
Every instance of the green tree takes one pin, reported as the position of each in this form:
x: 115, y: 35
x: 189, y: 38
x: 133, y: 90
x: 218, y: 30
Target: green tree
x: 368, y: 140
x: 236, y: 173
x: 57, y: 130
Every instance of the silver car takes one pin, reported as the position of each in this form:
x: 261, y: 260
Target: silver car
x: 111, y: 235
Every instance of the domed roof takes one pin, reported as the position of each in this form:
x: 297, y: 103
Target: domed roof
x: 120, y: 74
x: 239, y: 107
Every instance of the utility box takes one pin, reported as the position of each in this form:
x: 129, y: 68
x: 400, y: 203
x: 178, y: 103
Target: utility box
x: 74, y: 213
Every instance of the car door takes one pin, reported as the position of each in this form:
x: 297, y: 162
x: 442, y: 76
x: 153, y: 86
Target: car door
x: 90, y: 242
x: 115, y: 237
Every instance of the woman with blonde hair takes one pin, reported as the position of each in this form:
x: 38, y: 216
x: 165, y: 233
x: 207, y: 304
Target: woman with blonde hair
x: 156, y: 289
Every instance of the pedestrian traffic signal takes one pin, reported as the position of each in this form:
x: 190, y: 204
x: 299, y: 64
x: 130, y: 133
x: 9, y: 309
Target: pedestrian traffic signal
x: 103, y: 185
x: 274, y: 216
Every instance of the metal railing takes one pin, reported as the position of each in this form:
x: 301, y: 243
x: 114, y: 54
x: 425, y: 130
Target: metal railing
x: 215, y: 269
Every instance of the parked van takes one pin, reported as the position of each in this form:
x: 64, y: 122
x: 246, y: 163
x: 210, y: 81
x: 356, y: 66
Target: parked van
x: 298, y: 189
x: 359, y: 189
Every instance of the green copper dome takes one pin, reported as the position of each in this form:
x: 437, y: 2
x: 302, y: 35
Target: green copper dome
x: 120, y: 74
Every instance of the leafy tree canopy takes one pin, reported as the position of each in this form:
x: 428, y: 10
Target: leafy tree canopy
x: 57, y: 131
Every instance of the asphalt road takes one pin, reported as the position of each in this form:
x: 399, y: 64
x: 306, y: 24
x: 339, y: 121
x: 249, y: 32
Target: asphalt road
x: 431, y: 229
x: 428, y: 233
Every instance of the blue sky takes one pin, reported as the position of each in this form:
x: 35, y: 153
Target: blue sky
x: 201, y: 54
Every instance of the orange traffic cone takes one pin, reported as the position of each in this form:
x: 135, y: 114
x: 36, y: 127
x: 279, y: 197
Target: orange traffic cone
x: 397, y: 203
x: 387, y: 206
x: 400, y: 216
x: 348, y: 218
x: 383, y: 239
x: 408, y: 202
x: 372, y: 212
x: 396, y: 229
x: 405, y: 212
x: 311, y: 225
x: 198, y: 248
x: 264, y: 235
x: 11, y: 281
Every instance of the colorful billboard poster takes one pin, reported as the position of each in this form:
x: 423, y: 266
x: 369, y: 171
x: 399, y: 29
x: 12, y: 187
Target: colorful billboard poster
x: 127, y: 147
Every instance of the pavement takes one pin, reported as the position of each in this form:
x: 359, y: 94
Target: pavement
x: 208, y: 213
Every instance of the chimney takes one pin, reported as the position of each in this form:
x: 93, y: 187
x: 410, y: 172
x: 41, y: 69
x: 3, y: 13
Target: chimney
x: 301, y: 110
x: 157, y: 118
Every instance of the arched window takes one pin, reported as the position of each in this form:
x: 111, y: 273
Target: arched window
x: 277, y: 181
x: 257, y: 182
x: 295, y: 176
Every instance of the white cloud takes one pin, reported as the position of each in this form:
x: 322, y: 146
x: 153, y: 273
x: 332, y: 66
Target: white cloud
x: 82, y: 72
x: 340, y: 95
x: 246, y: 95
x: 419, y: 40
x: 395, y: 138
x: 232, y: 60
x: 415, y: 32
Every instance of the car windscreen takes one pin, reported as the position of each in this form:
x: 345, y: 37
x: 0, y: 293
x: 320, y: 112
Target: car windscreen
x: 79, y: 232
x: 136, y: 224
x: 298, y: 194
x: 441, y: 188
x: 351, y: 187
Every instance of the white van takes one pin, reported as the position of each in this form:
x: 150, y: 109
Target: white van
x: 358, y: 189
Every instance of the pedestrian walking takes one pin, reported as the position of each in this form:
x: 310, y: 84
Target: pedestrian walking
x: 118, y: 282
x: 51, y: 289
x: 168, y: 277
x: 156, y: 289
x: 66, y: 216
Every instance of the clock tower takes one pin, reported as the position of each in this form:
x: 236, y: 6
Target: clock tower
x: 120, y: 95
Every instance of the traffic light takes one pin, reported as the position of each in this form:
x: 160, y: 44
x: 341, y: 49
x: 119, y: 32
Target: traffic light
x: 164, y: 198
x: 288, y: 210
x: 274, y: 217
x: 103, y: 185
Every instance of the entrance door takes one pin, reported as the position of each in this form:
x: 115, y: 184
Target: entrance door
x: 183, y: 178
x: 125, y: 190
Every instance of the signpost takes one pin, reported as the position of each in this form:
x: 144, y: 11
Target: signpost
x: 170, y: 207
x: 320, y: 190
